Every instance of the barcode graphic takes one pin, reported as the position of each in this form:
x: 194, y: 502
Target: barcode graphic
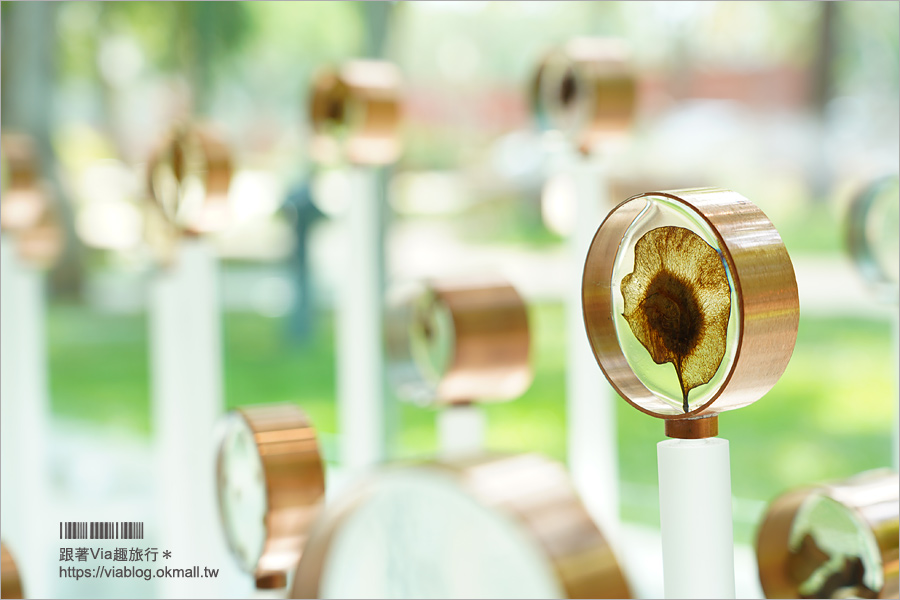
x: 101, y: 530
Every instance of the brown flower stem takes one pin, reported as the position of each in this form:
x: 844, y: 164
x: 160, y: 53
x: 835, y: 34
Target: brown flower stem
x: 684, y: 392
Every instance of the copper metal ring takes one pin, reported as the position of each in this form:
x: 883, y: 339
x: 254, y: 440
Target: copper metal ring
x: 27, y: 210
x: 587, y: 90
x: 10, y: 582
x: 355, y: 113
x: 188, y: 177
x: 533, y: 491
x: 489, y: 338
x: 871, y: 498
x: 294, y: 478
x: 764, y: 282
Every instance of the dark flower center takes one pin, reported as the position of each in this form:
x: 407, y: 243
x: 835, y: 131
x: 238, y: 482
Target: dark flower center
x: 673, y: 313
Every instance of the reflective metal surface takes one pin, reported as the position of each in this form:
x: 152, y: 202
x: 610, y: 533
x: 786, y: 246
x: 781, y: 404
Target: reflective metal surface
x: 294, y: 480
x: 10, y: 583
x: 587, y: 90
x: 455, y: 341
x: 355, y: 113
x: 27, y: 209
x: 802, y: 555
x: 188, y: 178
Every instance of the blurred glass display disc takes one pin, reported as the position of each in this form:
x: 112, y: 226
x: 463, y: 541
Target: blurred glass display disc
x: 662, y: 379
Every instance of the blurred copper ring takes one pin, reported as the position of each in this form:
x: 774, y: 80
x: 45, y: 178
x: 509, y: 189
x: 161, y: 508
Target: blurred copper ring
x: 791, y: 556
x: 355, y: 113
x: 27, y: 210
x: 457, y: 341
x: 534, y: 492
x: 765, y: 286
x: 188, y: 177
x: 10, y: 582
x: 587, y: 90
x: 294, y: 481
x: 859, y: 241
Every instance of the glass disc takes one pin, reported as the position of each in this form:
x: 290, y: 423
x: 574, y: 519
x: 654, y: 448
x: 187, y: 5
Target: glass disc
x: 837, y: 550
x: 242, y: 492
x: 676, y: 279
x: 418, y: 535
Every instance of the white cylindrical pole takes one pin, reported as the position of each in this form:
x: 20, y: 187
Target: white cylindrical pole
x: 25, y: 419
x: 186, y: 375
x: 695, y: 518
x: 461, y: 430
x: 362, y: 412
x: 590, y: 408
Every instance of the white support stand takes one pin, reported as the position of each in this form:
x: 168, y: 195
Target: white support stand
x: 590, y: 408
x: 695, y: 518
x: 461, y: 431
x: 186, y: 375
x: 26, y: 524
x: 362, y: 411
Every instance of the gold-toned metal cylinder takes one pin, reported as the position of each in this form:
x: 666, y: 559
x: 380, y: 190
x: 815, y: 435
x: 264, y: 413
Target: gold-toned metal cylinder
x: 27, y: 210
x: 587, y: 90
x: 797, y: 560
x: 188, y: 177
x: 355, y: 113
x: 486, y: 340
x: 294, y: 482
x: 532, y: 491
x: 10, y: 581
x: 766, y: 289
x: 693, y: 429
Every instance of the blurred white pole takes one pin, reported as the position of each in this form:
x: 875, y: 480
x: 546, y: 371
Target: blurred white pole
x: 362, y: 412
x: 461, y: 430
x: 695, y: 518
x: 186, y: 372
x: 26, y: 525
x: 590, y: 408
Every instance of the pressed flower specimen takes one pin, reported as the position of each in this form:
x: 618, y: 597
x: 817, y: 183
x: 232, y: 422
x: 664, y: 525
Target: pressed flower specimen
x: 678, y: 302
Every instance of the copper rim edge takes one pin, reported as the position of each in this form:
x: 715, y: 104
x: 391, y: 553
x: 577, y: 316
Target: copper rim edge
x: 766, y: 290
x: 10, y: 582
x: 218, y: 170
x: 590, y: 76
x: 355, y: 112
x: 491, y: 354
x: 28, y: 210
x: 580, y: 555
x: 872, y: 496
x: 295, y: 482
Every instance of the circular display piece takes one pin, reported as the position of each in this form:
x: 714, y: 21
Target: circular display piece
x: 10, y: 583
x: 270, y: 483
x: 690, y: 302
x: 189, y: 175
x: 586, y: 90
x: 872, y: 234
x: 457, y: 341
x: 26, y: 207
x: 833, y: 541
x: 509, y: 527
x: 355, y: 113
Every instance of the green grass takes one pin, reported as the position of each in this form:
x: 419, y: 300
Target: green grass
x: 828, y: 417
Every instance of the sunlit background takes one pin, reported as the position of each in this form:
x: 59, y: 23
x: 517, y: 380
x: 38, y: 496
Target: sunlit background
x: 796, y: 105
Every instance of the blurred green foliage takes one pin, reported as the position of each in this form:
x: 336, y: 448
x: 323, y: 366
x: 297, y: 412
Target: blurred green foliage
x: 829, y: 416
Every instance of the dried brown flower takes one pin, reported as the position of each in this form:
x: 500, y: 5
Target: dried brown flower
x: 678, y: 302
